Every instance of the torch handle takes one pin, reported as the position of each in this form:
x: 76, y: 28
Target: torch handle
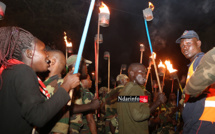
x: 109, y: 74
x: 156, y: 72
x: 84, y: 35
x: 149, y: 40
x: 163, y: 80
x: 179, y: 85
x: 141, y: 57
x: 147, y: 75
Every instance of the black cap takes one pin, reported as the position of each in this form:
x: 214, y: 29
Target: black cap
x: 188, y: 34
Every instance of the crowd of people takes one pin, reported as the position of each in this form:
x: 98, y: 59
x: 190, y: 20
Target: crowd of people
x: 63, y: 104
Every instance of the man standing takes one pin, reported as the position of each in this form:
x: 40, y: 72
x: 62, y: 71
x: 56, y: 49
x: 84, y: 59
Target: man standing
x: 202, y: 82
x: 82, y: 122
x: 111, y: 104
x: 191, y: 49
x: 133, y: 117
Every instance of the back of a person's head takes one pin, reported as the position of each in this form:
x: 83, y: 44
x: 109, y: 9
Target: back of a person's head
x: 13, y: 42
x: 121, y: 78
x: 59, y: 58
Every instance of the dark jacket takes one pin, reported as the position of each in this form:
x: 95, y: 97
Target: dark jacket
x: 22, y: 105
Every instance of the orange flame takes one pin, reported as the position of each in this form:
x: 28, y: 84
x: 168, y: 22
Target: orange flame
x: 151, y: 6
x: 68, y: 44
x: 169, y: 67
x: 104, y: 9
x: 154, y: 55
x: 161, y: 65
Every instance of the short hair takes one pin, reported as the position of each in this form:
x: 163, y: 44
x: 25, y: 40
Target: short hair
x: 134, y: 67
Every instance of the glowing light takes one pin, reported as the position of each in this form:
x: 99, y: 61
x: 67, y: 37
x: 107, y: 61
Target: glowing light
x: 161, y: 65
x: 154, y: 55
x: 68, y: 44
x: 151, y: 6
x: 169, y: 67
x: 104, y: 9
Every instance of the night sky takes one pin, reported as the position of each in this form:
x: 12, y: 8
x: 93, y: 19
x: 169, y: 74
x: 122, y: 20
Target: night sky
x: 48, y: 19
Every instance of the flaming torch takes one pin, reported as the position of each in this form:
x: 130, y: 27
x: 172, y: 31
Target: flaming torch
x: 104, y: 15
x: 142, y: 49
x: 68, y: 45
x: 103, y: 20
x: 173, y: 73
x: 162, y: 72
x: 107, y: 57
x: 148, y: 12
x: 153, y: 56
x: 148, y: 16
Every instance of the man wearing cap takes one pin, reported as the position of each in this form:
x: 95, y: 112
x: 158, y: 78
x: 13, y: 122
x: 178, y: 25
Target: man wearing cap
x: 203, y: 82
x: 82, y: 122
x: 191, y: 48
x: 111, y: 103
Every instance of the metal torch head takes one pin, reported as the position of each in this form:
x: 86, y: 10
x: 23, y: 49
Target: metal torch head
x: 161, y: 71
x: 147, y: 14
x: 69, y: 49
x: 106, y: 55
x: 123, y: 67
x: 104, y: 19
x: 174, y: 75
x: 142, y: 47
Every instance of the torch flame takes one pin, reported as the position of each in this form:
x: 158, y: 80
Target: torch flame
x: 151, y: 6
x: 68, y: 44
x: 169, y: 67
x: 104, y: 9
x: 154, y: 55
x: 161, y: 65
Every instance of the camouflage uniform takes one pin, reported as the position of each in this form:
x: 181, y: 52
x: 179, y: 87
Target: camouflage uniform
x: 166, y: 126
x: 62, y: 125
x: 101, y: 127
x: 111, y: 107
x: 78, y: 122
x: 101, y: 120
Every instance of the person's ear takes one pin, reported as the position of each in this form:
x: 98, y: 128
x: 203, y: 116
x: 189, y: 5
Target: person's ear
x: 53, y: 61
x: 29, y: 53
x: 131, y: 73
x: 199, y: 43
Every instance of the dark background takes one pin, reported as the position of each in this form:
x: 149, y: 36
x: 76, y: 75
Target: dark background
x: 48, y: 20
